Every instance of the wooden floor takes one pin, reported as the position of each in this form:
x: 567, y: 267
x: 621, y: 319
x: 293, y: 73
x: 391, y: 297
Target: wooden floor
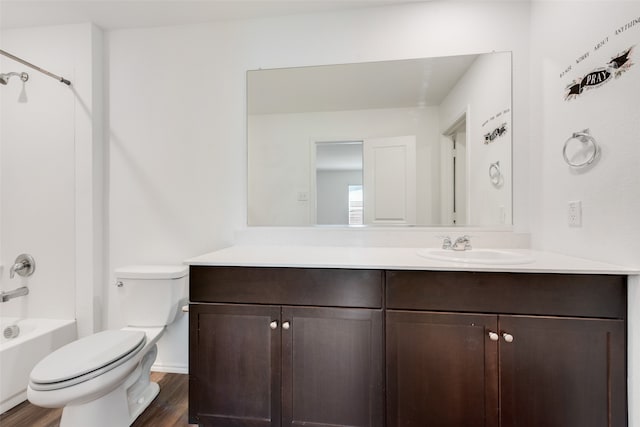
x: 169, y: 409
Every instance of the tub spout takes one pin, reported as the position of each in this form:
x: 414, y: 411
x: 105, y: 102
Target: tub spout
x: 8, y: 295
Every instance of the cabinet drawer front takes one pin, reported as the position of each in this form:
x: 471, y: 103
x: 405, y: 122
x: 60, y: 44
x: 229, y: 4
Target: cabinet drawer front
x: 518, y: 293
x: 287, y: 286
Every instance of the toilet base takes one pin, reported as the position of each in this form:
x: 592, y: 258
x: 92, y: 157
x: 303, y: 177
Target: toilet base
x: 120, y: 407
x: 143, y: 401
x: 93, y: 413
x: 121, y: 412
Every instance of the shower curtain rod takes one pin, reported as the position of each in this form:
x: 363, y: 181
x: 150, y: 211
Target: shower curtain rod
x: 28, y: 64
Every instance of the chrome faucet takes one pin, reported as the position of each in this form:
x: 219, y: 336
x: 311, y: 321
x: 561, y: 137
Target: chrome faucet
x: 462, y: 243
x: 19, y: 292
x: 446, y: 243
x: 24, y: 266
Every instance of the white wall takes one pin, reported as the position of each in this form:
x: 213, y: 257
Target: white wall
x: 176, y: 120
x: 484, y: 96
x: 279, y: 157
x: 51, y: 200
x: 610, y: 190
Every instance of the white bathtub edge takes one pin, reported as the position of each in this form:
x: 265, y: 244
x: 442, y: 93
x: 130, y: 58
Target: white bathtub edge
x: 50, y: 335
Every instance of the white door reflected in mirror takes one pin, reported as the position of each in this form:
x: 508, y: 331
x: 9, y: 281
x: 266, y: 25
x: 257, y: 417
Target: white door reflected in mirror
x: 390, y: 180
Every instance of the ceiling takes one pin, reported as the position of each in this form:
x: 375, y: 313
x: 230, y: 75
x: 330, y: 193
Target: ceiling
x: 386, y: 84
x: 119, y: 14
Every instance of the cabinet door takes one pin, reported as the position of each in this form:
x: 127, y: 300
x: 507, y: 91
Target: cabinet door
x: 332, y: 367
x: 562, y: 372
x: 234, y: 365
x: 441, y: 369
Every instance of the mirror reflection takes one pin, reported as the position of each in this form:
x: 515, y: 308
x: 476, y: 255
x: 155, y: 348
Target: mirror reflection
x: 338, y: 187
x: 409, y: 142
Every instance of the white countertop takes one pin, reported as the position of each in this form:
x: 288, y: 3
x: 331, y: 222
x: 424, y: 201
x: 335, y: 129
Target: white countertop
x: 392, y: 259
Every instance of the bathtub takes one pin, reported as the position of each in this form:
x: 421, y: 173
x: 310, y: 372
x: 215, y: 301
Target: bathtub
x: 22, y: 348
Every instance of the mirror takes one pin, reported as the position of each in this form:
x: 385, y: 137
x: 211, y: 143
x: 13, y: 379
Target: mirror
x: 417, y: 142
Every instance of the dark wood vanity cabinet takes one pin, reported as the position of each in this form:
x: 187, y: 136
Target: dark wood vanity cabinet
x: 234, y: 365
x: 349, y: 347
x: 562, y: 372
x: 263, y: 354
x: 509, y: 350
x: 440, y: 370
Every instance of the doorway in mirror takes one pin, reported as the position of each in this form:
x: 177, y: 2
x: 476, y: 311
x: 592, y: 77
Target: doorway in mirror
x: 454, y: 176
x: 338, y: 174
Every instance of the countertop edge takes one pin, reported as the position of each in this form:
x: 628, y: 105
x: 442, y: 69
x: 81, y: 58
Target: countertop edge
x: 379, y: 258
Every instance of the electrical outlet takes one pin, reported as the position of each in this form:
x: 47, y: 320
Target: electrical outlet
x: 574, y: 213
x: 303, y: 196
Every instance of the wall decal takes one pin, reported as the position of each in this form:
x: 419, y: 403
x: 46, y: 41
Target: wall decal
x: 500, y: 130
x: 497, y: 132
x: 618, y: 64
x: 627, y: 26
x: 621, y: 63
x: 495, y: 116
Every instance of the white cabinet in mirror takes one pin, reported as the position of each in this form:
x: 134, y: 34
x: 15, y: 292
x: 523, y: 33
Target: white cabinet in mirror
x: 405, y: 142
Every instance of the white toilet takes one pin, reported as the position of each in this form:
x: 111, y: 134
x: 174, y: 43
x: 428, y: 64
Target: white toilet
x: 103, y: 380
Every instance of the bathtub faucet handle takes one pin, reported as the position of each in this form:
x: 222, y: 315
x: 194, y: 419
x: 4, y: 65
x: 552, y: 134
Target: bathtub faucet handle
x: 24, y: 265
x: 18, y: 266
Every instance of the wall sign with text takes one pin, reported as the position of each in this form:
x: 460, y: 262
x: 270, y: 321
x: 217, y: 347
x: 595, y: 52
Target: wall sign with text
x: 618, y: 64
x: 596, y: 78
x: 499, y: 130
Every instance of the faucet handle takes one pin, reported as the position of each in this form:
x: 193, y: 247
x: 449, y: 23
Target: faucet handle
x: 462, y: 243
x: 466, y: 239
x: 24, y: 265
x: 446, y: 242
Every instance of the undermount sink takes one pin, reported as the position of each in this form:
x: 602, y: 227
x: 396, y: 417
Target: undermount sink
x: 477, y: 256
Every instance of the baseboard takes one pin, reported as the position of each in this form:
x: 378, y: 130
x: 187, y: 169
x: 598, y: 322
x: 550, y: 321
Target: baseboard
x: 13, y: 401
x: 171, y: 369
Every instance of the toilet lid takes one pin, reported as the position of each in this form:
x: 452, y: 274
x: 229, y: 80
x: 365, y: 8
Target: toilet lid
x: 88, y: 355
x: 152, y: 272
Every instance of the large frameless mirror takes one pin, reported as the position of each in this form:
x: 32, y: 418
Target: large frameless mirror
x: 418, y: 142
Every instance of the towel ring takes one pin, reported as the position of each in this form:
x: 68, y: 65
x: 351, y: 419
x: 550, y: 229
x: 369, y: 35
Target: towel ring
x: 586, y: 138
x: 495, y: 174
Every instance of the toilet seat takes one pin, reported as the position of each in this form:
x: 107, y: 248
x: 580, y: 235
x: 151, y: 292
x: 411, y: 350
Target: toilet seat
x: 86, y: 359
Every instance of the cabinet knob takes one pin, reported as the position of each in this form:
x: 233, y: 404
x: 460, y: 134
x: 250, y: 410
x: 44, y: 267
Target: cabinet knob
x: 493, y: 336
x: 507, y: 337
x: 286, y: 326
x: 274, y: 324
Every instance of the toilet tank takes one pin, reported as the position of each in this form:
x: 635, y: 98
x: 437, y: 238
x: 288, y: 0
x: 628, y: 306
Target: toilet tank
x: 152, y: 294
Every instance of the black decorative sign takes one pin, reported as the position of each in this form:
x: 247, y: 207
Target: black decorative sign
x: 497, y: 132
x: 616, y: 67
